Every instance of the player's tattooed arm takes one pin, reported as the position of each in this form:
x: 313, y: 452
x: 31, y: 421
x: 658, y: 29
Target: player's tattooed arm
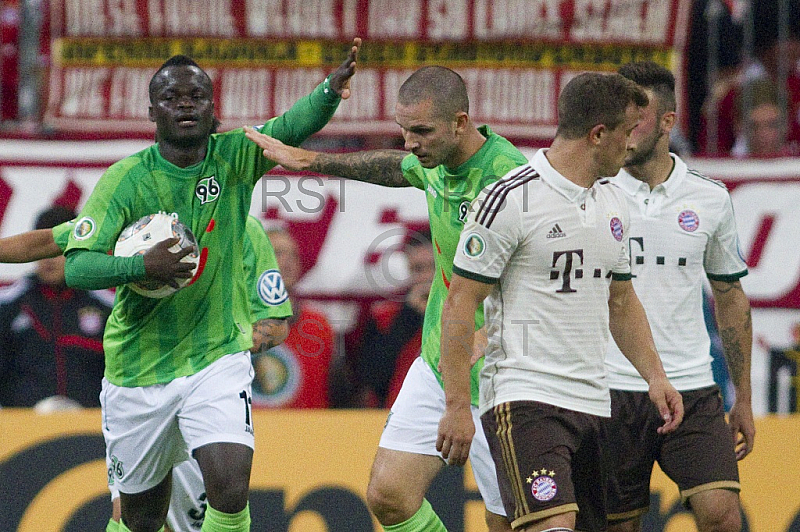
x: 379, y: 167
x: 735, y: 328
x: 732, y: 310
x: 268, y: 333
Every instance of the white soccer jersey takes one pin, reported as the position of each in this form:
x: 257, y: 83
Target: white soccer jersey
x: 549, y: 247
x: 680, y: 231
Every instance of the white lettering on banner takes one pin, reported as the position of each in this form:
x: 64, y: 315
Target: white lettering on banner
x: 349, y: 18
x: 447, y: 19
x: 107, y: 18
x: 294, y: 83
x: 128, y: 94
x: 288, y: 18
x: 365, y: 103
x: 209, y: 18
x: 511, y: 95
x: 503, y: 19
x: 778, y: 270
x: 83, y: 92
x: 390, y: 18
x: 629, y: 20
x: 245, y: 93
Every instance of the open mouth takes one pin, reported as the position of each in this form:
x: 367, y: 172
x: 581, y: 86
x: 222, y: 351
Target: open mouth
x: 187, y: 122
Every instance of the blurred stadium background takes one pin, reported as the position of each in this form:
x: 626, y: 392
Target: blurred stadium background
x: 73, y: 89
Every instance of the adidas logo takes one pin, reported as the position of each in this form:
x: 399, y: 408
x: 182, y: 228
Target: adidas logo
x: 556, y: 232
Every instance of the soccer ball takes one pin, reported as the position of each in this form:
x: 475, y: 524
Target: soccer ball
x: 148, y: 231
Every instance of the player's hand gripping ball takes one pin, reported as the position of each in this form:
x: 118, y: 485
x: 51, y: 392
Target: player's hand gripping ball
x: 148, y: 231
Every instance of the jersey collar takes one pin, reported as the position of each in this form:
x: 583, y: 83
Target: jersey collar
x: 558, y: 182
x: 630, y: 185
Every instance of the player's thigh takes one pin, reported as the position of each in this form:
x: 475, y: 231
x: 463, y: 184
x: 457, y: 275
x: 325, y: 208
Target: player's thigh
x: 217, y: 407
x: 700, y: 455
x: 630, y: 444
x: 714, y: 507
x: 485, y: 473
x: 143, y: 438
x: 533, y: 445
x: 402, y: 474
x: 413, y: 423
x: 187, y: 503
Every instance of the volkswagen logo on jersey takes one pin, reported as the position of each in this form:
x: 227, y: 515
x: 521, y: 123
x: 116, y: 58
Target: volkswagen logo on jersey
x: 689, y: 221
x: 271, y: 289
x: 616, y: 228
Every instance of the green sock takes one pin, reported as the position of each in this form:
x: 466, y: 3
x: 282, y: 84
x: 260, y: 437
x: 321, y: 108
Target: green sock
x: 112, y: 526
x: 216, y: 521
x: 425, y: 520
x: 122, y: 528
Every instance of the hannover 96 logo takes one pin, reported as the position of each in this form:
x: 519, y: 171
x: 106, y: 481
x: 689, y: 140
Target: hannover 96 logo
x: 207, y: 190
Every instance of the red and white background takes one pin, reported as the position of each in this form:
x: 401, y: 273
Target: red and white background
x: 349, y: 231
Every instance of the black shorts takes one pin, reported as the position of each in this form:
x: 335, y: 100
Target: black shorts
x: 699, y: 455
x: 548, y: 463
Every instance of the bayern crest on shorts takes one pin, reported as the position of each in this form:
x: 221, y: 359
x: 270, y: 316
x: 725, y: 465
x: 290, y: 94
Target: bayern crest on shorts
x: 616, y: 228
x: 544, y: 488
x: 689, y: 221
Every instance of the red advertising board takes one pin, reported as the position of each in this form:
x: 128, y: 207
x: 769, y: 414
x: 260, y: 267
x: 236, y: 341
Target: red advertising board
x: 262, y: 55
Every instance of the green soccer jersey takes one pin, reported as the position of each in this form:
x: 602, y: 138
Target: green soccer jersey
x: 449, y: 194
x: 149, y: 341
x: 61, y: 234
x: 265, y: 288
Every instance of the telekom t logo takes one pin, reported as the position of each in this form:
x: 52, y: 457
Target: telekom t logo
x: 566, y: 271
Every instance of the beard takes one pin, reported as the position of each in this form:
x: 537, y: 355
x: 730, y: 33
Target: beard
x: 644, y: 151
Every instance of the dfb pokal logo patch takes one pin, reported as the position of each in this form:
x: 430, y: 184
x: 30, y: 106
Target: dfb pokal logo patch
x: 689, y: 221
x: 474, y: 246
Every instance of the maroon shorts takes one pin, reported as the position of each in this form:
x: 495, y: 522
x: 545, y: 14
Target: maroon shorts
x: 699, y: 455
x: 548, y: 463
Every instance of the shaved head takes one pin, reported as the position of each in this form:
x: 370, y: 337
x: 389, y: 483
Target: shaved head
x: 444, y: 87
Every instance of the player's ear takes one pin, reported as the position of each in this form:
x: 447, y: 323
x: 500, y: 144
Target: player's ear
x: 150, y: 113
x: 668, y: 121
x: 597, y: 133
x: 462, y: 121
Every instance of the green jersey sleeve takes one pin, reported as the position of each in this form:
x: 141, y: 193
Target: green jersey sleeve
x: 61, y: 234
x: 267, y: 292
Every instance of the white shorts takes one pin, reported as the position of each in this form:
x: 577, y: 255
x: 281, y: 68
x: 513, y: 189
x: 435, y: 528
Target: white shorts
x: 187, y: 504
x: 413, y: 427
x: 150, y: 428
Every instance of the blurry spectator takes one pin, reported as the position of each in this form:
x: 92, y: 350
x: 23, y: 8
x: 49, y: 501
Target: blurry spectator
x: 762, y: 123
x: 769, y: 54
x: 393, y: 333
x: 9, y: 58
x: 295, y: 373
x: 51, y: 335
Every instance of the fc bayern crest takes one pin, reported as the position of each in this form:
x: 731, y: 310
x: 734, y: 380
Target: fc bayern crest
x: 689, y: 221
x: 616, y: 228
x: 271, y: 289
x: 544, y: 488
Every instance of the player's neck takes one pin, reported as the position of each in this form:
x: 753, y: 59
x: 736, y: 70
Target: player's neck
x: 569, y: 158
x: 473, y: 142
x: 182, y: 156
x: 655, y: 171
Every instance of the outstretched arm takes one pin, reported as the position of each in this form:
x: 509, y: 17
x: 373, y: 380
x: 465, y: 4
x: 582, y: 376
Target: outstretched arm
x: 29, y: 247
x: 381, y: 167
x: 310, y: 113
x: 732, y: 310
x: 631, y: 331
